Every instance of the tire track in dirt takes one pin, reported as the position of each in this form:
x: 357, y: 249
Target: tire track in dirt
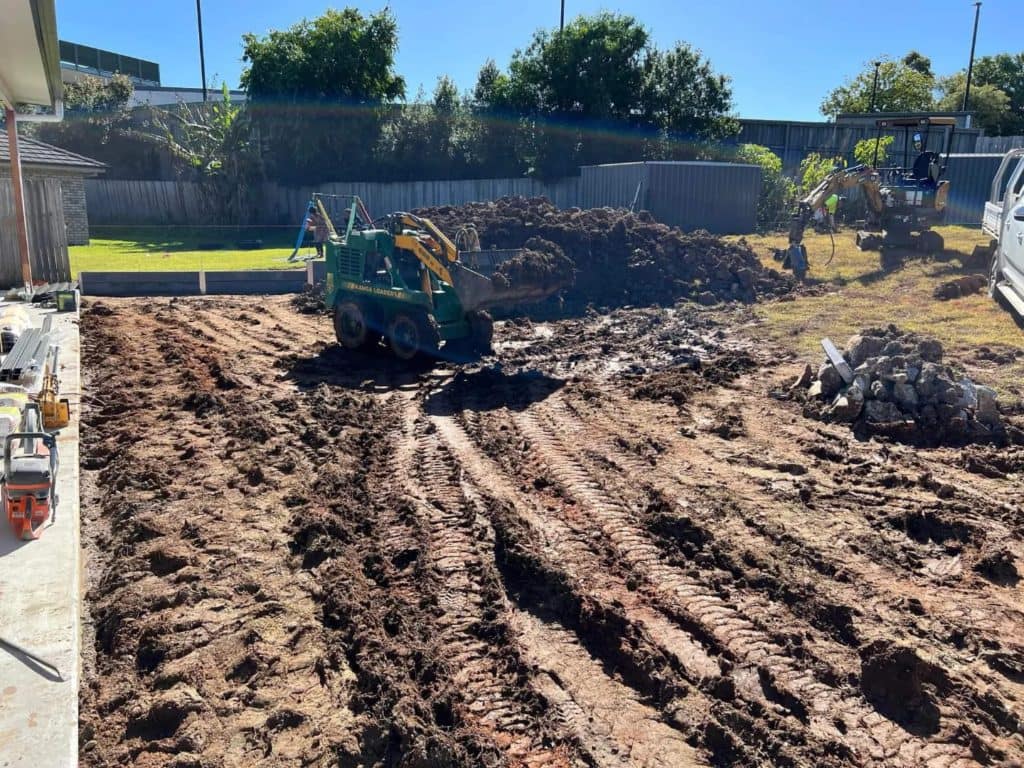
x: 828, y: 711
x: 860, y: 576
x: 729, y: 537
x: 665, y: 661
x: 473, y: 617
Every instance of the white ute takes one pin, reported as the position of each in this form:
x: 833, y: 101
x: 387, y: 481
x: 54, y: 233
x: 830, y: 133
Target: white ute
x: 1004, y: 223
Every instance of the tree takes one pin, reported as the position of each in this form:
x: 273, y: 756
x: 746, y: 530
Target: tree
x: 211, y: 145
x: 1003, y: 73
x: 574, y: 88
x: 814, y: 168
x: 902, y: 87
x: 919, y: 63
x: 777, y: 191
x: 340, y: 56
x: 428, y: 139
x: 873, y: 151
x: 991, y: 107
x: 341, y: 62
x: 91, y: 95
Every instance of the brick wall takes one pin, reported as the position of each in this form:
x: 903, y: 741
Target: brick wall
x: 76, y: 218
x: 72, y: 187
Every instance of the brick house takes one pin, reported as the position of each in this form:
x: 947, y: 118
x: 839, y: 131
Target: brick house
x: 39, y: 160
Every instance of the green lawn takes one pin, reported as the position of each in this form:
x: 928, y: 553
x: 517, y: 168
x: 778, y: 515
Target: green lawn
x: 169, y: 249
x: 852, y: 293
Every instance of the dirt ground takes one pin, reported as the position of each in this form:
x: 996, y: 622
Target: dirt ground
x: 612, y: 544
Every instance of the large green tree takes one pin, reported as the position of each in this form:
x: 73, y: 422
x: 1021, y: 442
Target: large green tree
x: 342, y: 55
x: 990, y: 105
x: 906, y: 85
x: 600, y: 91
x: 320, y: 93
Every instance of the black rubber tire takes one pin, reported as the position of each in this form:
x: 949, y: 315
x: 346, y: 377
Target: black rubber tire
x: 481, y: 332
x: 409, y: 336
x: 994, y: 276
x: 404, y: 337
x: 350, y: 325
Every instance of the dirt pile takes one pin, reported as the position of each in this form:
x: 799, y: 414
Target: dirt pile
x: 895, y: 384
x: 621, y: 257
x: 542, y: 264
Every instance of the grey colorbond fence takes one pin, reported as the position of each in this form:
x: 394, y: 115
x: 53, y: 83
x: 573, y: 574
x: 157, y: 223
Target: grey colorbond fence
x: 721, y: 197
x: 47, y: 237
x: 1002, y: 144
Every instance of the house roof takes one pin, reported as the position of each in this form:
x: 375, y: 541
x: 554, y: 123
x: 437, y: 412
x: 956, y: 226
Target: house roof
x: 29, y: 60
x: 36, y: 153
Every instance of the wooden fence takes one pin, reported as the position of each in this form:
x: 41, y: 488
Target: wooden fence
x: 47, y: 237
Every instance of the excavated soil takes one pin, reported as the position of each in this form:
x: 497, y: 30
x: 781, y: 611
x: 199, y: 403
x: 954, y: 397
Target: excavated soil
x: 609, y: 545
x: 620, y: 257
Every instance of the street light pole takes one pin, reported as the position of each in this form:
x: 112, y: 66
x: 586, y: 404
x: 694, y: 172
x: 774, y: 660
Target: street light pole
x: 874, y: 87
x: 561, y: 21
x: 970, y: 64
x: 202, y: 55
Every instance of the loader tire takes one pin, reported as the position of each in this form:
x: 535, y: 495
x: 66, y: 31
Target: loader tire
x: 481, y: 332
x: 350, y: 325
x: 410, y: 335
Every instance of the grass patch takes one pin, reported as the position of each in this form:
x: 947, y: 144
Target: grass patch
x: 169, y: 249
x: 858, y: 294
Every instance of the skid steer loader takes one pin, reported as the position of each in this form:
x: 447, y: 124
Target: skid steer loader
x: 400, y: 279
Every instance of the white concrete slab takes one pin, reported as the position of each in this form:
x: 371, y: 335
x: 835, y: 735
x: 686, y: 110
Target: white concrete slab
x: 40, y: 586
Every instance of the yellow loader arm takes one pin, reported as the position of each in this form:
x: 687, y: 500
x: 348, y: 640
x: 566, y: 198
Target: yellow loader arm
x: 860, y: 175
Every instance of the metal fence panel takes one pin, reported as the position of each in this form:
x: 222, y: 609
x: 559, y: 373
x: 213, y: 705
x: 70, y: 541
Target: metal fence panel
x: 987, y: 144
x: 617, y: 185
x: 970, y: 180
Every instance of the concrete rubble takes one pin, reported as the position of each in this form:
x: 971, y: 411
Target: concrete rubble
x: 902, y: 389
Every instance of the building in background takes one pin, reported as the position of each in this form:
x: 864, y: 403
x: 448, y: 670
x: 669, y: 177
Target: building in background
x: 78, y: 61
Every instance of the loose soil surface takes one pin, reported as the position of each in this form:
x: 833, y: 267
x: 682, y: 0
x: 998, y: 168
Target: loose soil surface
x: 610, y: 544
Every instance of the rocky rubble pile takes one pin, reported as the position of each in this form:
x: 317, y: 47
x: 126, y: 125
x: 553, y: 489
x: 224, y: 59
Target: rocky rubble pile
x: 621, y: 257
x: 897, y: 385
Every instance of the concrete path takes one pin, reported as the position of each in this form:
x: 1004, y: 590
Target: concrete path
x: 39, y: 604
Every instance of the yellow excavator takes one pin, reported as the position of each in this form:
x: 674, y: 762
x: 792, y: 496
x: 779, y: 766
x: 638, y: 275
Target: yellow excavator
x: 903, y: 202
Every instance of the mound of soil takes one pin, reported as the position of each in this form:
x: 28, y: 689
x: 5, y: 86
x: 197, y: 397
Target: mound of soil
x: 962, y: 286
x: 542, y: 264
x: 621, y: 257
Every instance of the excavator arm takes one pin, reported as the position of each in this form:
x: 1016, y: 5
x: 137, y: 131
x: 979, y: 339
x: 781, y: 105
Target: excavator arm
x: 860, y: 175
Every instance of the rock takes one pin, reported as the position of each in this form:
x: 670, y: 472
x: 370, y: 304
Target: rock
x: 707, y: 298
x: 862, y: 381
x: 968, y: 395
x: 892, y: 348
x: 830, y: 380
x: 905, y: 396
x: 898, y: 377
x: 847, y: 406
x: 930, y: 350
x: 879, y: 412
x: 814, y: 390
x: 804, y: 379
x: 879, y: 391
x: 987, y: 410
x: 860, y: 348
x: 913, y: 371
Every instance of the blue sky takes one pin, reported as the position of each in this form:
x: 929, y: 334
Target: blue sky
x: 783, y: 55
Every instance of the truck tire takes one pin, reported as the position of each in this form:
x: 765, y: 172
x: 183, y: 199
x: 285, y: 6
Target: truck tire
x: 409, y: 335
x: 350, y: 325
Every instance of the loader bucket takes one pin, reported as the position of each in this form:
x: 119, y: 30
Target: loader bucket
x: 477, y: 290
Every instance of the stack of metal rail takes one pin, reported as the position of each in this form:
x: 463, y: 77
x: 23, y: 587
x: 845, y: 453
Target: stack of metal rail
x: 28, y: 357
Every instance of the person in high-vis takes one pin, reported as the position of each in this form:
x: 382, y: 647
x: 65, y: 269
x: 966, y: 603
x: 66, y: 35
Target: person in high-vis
x: 831, y: 205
